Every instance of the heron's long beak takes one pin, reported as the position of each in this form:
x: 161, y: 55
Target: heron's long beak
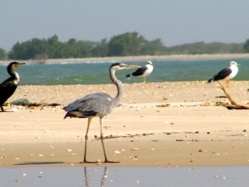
x: 132, y: 67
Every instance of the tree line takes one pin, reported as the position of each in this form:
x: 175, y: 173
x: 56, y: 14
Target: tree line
x: 127, y: 44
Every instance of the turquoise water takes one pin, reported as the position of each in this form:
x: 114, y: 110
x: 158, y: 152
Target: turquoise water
x: 97, y: 73
x: 125, y: 176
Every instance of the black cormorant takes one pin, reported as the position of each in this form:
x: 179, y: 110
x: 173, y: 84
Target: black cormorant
x: 8, y: 87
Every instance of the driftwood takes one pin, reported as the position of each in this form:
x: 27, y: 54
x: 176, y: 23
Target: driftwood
x: 41, y: 105
x: 234, y: 104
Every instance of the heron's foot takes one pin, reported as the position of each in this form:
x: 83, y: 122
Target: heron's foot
x: 98, y: 162
x: 90, y: 162
x: 108, y: 161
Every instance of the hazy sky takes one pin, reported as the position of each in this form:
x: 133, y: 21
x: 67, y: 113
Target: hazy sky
x: 173, y: 21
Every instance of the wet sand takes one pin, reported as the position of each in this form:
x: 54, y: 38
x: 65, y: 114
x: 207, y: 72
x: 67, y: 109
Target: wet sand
x: 157, y: 124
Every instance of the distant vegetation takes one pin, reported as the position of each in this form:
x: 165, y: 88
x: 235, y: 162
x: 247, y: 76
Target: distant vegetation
x: 3, y: 54
x: 127, y: 44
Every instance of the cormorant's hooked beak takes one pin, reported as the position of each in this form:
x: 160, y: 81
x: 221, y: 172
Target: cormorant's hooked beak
x: 17, y: 64
x: 20, y: 63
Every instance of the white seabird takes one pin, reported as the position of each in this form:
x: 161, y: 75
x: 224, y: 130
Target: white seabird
x: 226, y: 73
x: 144, y: 71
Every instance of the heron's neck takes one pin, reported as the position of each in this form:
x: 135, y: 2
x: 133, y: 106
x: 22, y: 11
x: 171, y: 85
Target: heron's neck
x: 120, y: 90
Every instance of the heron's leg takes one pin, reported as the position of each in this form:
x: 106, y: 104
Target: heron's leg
x: 102, y: 141
x: 101, y: 137
x: 86, y: 137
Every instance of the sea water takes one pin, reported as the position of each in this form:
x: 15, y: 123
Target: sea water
x: 124, y: 176
x: 68, y: 73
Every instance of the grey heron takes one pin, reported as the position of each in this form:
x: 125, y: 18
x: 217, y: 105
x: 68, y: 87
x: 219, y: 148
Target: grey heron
x: 226, y: 73
x: 98, y: 104
x: 143, y: 71
x: 8, y: 87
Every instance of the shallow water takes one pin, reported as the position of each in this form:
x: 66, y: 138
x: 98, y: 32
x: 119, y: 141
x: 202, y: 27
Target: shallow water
x: 66, y: 73
x: 124, y: 176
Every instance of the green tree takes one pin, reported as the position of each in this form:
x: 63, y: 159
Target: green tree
x: 3, y: 54
x: 246, y: 46
x: 154, y: 47
x: 55, y: 47
x: 32, y: 49
x: 127, y: 44
x: 101, y: 49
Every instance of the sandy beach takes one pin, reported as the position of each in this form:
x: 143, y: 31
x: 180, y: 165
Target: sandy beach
x: 157, y: 124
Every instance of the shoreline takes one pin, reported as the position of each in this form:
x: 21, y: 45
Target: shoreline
x: 165, y: 124
x: 135, y: 58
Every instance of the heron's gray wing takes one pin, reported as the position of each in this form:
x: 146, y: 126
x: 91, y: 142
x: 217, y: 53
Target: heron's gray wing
x: 99, y: 104
x: 222, y: 74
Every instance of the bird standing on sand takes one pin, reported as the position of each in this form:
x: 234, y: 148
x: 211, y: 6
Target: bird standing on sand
x: 143, y: 71
x: 8, y: 87
x: 226, y: 73
x: 98, y: 104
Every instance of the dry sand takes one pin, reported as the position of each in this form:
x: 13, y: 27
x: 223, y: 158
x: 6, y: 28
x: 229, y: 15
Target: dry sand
x: 157, y: 124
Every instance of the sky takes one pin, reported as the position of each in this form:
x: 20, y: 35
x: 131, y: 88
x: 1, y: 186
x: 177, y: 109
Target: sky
x: 175, y: 22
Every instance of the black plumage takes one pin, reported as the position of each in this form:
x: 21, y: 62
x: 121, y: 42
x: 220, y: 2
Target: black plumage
x: 8, y: 87
x: 221, y: 75
x: 138, y: 72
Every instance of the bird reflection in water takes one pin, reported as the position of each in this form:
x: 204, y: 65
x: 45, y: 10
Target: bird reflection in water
x: 102, y: 179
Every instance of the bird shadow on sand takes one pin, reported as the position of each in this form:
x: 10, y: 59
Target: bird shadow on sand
x: 6, y: 111
x: 221, y: 97
x: 38, y: 163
